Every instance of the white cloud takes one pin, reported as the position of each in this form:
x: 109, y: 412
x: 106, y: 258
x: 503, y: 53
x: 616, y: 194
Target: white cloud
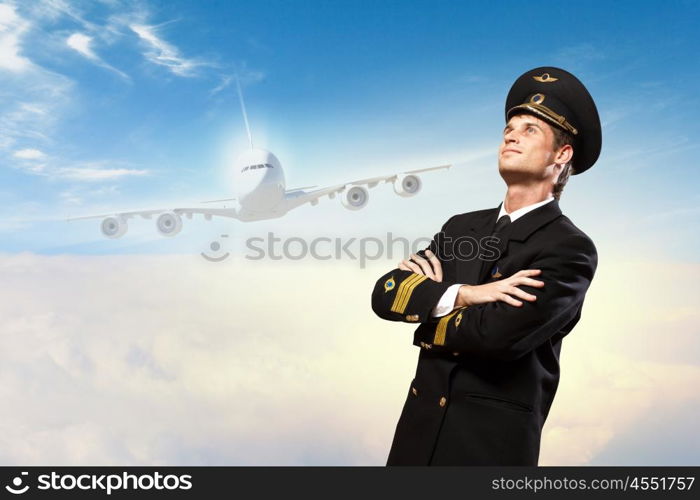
x: 29, y: 154
x: 96, y: 173
x: 81, y: 43
x: 164, y: 54
x: 11, y: 29
x: 168, y: 360
x: 56, y: 9
x: 37, y: 94
x: 129, y: 352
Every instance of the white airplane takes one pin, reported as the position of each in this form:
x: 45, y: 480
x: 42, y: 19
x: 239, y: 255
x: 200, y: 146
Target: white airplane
x: 260, y: 193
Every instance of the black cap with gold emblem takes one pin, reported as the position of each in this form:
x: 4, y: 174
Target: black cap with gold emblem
x: 559, y: 98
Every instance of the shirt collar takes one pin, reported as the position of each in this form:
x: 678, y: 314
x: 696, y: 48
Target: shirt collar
x: 522, y: 211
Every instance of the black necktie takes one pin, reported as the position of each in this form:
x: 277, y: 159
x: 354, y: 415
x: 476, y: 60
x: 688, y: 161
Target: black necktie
x: 501, y: 224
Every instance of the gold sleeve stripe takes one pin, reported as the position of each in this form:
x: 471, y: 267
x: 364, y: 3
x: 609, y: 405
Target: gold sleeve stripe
x: 402, y: 290
x: 441, y: 329
x: 409, y: 291
x: 405, y: 290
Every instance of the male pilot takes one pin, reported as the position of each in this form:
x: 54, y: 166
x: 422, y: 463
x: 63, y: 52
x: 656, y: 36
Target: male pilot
x: 497, y: 290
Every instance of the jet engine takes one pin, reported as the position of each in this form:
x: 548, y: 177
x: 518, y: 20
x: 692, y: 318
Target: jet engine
x: 169, y: 223
x: 355, y: 198
x: 114, y: 227
x: 407, y: 185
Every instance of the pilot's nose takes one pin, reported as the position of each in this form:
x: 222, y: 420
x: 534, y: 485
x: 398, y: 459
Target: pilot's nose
x: 510, y: 136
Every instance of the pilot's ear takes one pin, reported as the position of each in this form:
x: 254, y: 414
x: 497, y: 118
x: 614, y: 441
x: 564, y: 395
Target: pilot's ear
x: 564, y: 155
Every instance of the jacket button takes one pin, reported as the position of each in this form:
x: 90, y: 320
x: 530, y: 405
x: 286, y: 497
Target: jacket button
x: 414, y: 391
x: 443, y: 401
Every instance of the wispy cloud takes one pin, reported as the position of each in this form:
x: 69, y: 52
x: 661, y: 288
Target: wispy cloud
x: 81, y: 43
x: 12, y: 26
x: 244, y: 74
x: 162, y: 53
x: 29, y: 154
x: 56, y: 9
x: 77, y: 194
x: 97, y: 173
x: 34, y: 161
x: 226, y: 80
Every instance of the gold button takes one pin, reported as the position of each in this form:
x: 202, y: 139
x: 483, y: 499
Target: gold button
x: 412, y: 317
x: 443, y: 401
x: 414, y: 391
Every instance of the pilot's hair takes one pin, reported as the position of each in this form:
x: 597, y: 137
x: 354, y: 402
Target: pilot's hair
x: 561, y: 138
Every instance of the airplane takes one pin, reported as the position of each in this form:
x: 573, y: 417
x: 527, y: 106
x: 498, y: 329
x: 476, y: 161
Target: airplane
x: 260, y: 193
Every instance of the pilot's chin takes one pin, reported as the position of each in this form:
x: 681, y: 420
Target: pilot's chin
x: 513, y: 173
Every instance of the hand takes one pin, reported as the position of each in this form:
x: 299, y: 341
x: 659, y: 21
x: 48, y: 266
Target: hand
x: 469, y: 295
x: 422, y: 266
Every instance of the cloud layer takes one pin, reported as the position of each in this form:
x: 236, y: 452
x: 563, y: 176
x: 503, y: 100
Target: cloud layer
x: 175, y: 360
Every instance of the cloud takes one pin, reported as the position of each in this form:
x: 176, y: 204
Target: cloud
x: 29, y: 154
x: 12, y: 27
x: 97, y: 173
x: 633, y: 356
x: 127, y: 369
x: 81, y: 43
x: 54, y: 10
x: 164, y: 54
x: 167, y: 360
x: 245, y: 75
x: 226, y: 80
x: 37, y: 95
x: 57, y: 169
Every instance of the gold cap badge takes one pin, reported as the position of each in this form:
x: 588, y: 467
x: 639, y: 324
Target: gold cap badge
x: 545, y: 78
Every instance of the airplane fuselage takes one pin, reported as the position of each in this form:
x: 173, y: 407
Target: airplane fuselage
x: 258, y: 183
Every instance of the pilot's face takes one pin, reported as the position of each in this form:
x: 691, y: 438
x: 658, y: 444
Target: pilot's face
x: 526, y: 150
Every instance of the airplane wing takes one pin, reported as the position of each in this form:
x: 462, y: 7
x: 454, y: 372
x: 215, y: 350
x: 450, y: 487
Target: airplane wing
x: 296, y: 198
x: 147, y: 214
x: 169, y: 223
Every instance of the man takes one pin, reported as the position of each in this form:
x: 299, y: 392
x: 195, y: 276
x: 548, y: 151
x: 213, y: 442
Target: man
x: 497, y: 291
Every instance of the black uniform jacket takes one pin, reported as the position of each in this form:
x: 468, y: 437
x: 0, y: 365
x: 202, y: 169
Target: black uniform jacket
x: 487, y: 374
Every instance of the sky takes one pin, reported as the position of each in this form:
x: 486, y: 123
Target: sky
x: 122, y: 105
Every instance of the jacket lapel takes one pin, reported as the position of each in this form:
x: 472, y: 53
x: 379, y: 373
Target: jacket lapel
x: 520, y: 230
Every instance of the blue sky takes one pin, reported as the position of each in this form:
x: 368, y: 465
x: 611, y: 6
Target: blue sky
x: 110, y: 350
x: 129, y: 104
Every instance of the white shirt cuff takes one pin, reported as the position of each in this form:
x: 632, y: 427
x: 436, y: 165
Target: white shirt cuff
x: 447, y: 302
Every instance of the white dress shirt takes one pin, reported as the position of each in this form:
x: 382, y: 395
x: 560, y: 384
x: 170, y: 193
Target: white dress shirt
x: 447, y: 302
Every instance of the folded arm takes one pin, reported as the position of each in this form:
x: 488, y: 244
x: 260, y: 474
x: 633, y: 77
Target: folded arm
x: 503, y: 331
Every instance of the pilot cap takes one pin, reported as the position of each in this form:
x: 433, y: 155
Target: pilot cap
x: 559, y: 98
